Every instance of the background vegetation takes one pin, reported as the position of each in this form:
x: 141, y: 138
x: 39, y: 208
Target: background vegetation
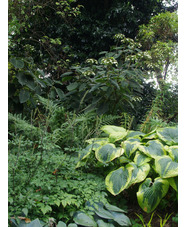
x: 75, y: 66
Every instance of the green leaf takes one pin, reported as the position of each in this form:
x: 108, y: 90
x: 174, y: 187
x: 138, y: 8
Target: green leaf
x: 57, y: 202
x: 139, y: 173
x: 141, y: 158
x: 173, y: 181
x: 72, y: 86
x: 101, y: 212
x: 115, y: 133
x: 121, y: 219
x: 117, y: 180
x: 166, y: 167
x: 129, y: 147
x: 134, y: 134
x: 66, y: 78
x: 86, y: 152
x: 24, y: 96
x: 60, y: 93
x: 123, y: 159
x: 108, y: 152
x: 72, y: 225
x: 169, y: 135
x: 152, y: 149
x: 17, y: 63
x: 46, y: 208
x: 101, y: 141
x: 113, y: 208
x: 115, y: 84
x: 61, y: 224
x: 84, y: 220
x: 66, y: 74
x: 25, y: 79
x: 101, y: 223
x: 25, y: 211
x: 150, y: 135
x: 35, y: 223
x: 173, y: 152
x: 150, y: 194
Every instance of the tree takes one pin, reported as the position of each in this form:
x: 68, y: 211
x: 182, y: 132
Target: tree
x: 159, y: 41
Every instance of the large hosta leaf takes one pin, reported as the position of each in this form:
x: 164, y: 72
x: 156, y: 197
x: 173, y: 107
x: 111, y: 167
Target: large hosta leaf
x: 173, y: 152
x: 117, y: 180
x: 134, y: 134
x: 101, y: 141
x: 86, y: 152
x: 166, y: 167
x: 101, y: 223
x: 150, y: 135
x: 139, y: 173
x: 153, y: 149
x: 141, y: 159
x: 84, y: 220
x: 101, y: 212
x: 173, y: 181
x: 115, y: 133
x: 113, y: 208
x: 169, y: 135
x: 108, y: 153
x: 121, y: 219
x: 129, y: 147
x: 150, y: 194
x: 123, y: 159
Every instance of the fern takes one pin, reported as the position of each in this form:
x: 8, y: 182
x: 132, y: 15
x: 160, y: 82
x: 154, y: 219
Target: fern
x: 19, y: 125
x: 127, y: 121
x: 77, y: 128
x: 108, y: 119
x: 48, y: 104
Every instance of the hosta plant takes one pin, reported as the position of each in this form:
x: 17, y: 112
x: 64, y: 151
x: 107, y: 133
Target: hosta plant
x: 137, y: 158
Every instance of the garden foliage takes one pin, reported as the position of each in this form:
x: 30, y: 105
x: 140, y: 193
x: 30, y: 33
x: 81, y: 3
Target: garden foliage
x: 138, y: 156
x: 91, y: 72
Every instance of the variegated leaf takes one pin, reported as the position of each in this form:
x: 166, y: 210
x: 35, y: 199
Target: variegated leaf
x: 173, y: 152
x: 166, y: 167
x: 169, y: 135
x: 141, y: 158
x: 123, y: 159
x: 153, y: 149
x: 173, y: 181
x: 115, y: 132
x: 117, y: 180
x: 108, y: 152
x: 139, y: 173
x: 150, y: 193
x: 129, y: 147
x: 101, y: 141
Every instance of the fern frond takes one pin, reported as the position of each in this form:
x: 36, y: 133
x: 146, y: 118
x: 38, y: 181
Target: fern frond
x: 19, y: 124
x: 48, y: 104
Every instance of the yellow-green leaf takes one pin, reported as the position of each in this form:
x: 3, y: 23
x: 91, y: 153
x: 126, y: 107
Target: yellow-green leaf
x: 166, y: 167
x: 108, y: 152
x: 117, y: 180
